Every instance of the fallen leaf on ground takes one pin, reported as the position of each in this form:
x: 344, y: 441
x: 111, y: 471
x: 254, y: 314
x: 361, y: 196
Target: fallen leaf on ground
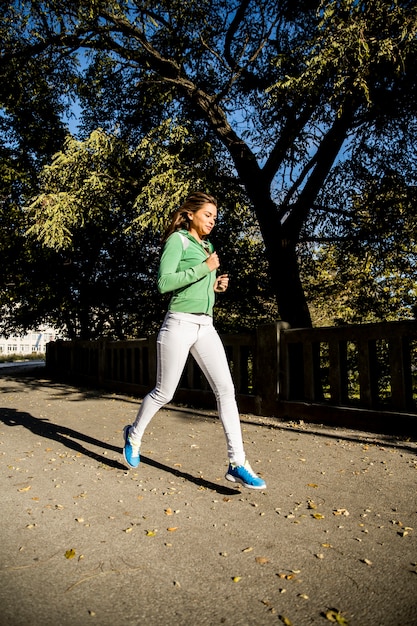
x: 333, y: 615
x: 69, y: 554
x: 261, y: 560
x: 341, y: 512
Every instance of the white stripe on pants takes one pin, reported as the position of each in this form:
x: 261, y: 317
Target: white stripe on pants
x: 180, y: 334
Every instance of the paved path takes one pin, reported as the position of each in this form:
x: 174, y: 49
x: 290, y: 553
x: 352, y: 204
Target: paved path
x: 84, y: 541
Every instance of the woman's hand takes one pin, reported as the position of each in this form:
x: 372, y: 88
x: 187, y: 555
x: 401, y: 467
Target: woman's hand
x: 213, y: 261
x: 222, y: 283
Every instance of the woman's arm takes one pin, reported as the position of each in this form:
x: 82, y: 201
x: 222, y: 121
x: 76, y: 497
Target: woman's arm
x: 169, y: 278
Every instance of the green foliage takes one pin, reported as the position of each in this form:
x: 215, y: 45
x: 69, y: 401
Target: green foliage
x: 84, y: 184
x: 364, y: 269
x: 171, y: 177
x: 354, y: 44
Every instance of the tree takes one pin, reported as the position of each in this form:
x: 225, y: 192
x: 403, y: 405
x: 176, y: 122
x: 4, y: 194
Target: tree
x: 284, y: 87
x: 364, y: 269
x: 103, y: 255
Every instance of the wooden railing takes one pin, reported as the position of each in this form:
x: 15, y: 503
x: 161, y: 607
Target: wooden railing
x: 363, y: 373
x: 130, y: 366
x: 359, y: 375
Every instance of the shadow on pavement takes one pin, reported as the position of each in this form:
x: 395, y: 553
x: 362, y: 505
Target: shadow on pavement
x: 61, y: 434
x: 67, y: 436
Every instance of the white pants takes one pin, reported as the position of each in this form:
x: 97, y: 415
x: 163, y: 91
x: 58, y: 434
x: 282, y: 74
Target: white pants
x: 180, y: 334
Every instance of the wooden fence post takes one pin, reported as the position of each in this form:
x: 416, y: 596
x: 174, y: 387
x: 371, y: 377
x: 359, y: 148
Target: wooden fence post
x: 267, y: 367
x: 101, y: 362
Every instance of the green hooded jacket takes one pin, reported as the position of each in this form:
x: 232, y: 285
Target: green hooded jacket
x: 184, y: 272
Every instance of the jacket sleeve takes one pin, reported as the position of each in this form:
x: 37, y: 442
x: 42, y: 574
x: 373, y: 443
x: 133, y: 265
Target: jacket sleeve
x: 169, y: 277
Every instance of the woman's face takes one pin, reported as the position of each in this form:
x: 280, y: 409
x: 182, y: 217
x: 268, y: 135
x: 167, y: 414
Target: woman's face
x: 202, y: 221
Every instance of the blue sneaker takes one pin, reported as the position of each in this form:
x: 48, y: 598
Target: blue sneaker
x: 245, y: 475
x: 130, y: 450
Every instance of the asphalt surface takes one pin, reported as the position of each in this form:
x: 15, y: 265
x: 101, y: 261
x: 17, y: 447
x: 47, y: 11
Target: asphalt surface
x: 85, y: 541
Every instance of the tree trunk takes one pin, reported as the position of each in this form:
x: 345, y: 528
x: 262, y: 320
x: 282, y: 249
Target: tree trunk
x: 283, y: 264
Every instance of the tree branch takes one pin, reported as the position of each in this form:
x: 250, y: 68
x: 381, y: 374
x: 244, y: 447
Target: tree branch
x: 243, y: 158
x: 323, y: 160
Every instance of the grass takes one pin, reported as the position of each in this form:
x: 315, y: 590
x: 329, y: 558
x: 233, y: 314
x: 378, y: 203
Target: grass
x: 11, y: 358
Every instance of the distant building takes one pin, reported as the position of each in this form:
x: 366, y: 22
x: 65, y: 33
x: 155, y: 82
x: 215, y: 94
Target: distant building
x: 32, y: 343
